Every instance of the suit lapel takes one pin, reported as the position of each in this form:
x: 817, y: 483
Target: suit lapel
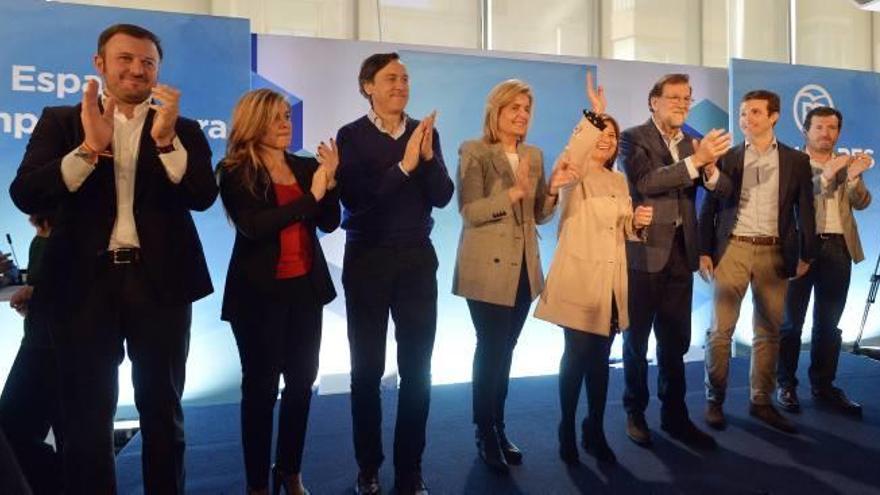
x: 502, y: 167
x: 784, y: 175
x: 302, y: 178
x: 146, y: 156
x: 658, y: 142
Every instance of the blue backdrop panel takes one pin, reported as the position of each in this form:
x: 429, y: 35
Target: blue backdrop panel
x: 45, y: 64
x: 857, y: 95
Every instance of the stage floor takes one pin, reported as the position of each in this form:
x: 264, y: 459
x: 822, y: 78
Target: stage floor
x: 831, y: 454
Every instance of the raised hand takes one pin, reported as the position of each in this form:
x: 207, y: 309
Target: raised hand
x: 562, y: 175
x: 596, y: 96
x: 97, y: 125
x: 328, y: 157
x: 712, y: 147
x: 413, y: 148
x: 860, y: 163
x: 166, y: 114
x: 427, y: 148
x: 643, y: 216
x: 523, y: 184
x: 835, y: 165
x: 319, y: 183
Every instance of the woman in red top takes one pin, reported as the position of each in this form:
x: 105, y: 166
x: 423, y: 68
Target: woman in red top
x: 278, y: 281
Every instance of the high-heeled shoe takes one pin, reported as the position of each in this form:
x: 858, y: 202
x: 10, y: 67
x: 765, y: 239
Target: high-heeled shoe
x: 290, y: 483
x: 568, y: 451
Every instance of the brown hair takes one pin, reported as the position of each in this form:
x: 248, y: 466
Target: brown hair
x: 770, y: 97
x: 499, y: 97
x: 370, y: 66
x: 657, y: 88
x: 251, y: 118
x: 130, y: 30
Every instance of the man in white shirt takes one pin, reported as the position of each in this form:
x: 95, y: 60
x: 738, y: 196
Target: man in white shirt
x: 756, y: 230
x: 124, y: 263
x: 839, y: 189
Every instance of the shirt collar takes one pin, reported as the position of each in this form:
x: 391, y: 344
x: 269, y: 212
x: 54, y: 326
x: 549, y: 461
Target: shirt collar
x: 773, y: 145
x: 140, y: 110
x: 676, y: 138
x: 394, y: 133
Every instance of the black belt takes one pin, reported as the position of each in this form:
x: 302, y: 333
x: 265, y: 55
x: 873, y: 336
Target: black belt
x: 122, y: 256
x: 757, y: 240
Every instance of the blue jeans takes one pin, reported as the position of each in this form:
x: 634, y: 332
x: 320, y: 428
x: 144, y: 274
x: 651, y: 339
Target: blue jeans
x: 829, y: 274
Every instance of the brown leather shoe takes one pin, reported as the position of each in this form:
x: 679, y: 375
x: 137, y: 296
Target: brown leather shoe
x: 769, y: 415
x: 637, y: 429
x: 715, y: 415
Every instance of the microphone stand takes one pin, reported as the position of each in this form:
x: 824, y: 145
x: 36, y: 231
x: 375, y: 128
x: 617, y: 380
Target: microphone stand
x: 869, y: 352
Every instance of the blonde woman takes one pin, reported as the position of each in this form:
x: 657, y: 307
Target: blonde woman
x: 278, y: 281
x: 502, y: 195
x: 586, y: 290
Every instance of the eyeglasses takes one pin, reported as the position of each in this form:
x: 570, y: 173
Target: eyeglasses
x: 679, y: 100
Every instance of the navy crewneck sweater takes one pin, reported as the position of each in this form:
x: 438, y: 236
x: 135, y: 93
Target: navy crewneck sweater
x: 382, y: 205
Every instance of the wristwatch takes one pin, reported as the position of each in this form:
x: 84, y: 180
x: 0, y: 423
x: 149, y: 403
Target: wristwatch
x: 165, y: 149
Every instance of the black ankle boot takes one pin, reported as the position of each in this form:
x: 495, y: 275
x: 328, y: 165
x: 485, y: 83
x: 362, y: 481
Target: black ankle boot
x: 595, y: 443
x: 568, y: 451
x: 489, y: 449
x: 512, y: 454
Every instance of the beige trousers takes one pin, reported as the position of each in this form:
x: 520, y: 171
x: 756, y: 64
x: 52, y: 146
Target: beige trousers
x: 741, y: 265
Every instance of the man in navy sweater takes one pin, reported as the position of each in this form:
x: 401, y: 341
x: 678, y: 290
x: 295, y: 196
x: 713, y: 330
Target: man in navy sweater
x: 391, y: 175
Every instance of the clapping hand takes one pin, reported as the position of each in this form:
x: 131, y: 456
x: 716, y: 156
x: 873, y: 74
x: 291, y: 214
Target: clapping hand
x: 563, y: 174
x: 328, y: 157
x: 712, y: 147
x: 166, y: 114
x: 859, y: 164
x: 643, y: 216
x: 523, y: 185
x: 97, y: 125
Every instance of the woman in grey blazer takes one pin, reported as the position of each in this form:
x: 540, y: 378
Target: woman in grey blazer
x: 502, y: 195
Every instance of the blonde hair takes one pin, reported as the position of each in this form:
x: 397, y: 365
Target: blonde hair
x: 253, y: 114
x: 502, y: 95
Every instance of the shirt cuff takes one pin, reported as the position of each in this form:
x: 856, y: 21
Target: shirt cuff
x: 400, y: 166
x: 711, y: 181
x: 175, y: 161
x: 692, y: 171
x: 75, y: 170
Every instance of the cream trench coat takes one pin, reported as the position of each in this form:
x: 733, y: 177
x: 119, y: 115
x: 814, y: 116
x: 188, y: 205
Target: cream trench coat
x: 589, y: 264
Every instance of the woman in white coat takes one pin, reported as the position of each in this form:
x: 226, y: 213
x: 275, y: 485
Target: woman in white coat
x: 586, y: 290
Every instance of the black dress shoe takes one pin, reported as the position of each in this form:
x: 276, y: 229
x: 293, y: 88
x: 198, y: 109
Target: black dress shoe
x: 836, y: 398
x: 410, y: 484
x: 368, y: 483
x: 511, y: 452
x: 769, y: 415
x: 686, y: 432
x: 594, y: 443
x: 637, y: 429
x: 489, y: 450
x: 787, y: 399
x: 715, y: 415
x: 568, y: 451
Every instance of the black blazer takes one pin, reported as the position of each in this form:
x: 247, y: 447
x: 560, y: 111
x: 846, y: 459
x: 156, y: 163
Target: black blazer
x: 170, y: 248
x: 656, y: 180
x: 258, y: 221
x: 796, y: 216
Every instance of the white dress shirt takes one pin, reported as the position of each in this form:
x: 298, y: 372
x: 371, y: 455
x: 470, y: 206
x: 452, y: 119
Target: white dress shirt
x: 127, y: 134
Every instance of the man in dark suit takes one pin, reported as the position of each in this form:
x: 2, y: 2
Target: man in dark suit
x: 124, y: 260
x: 664, y: 167
x: 758, y: 229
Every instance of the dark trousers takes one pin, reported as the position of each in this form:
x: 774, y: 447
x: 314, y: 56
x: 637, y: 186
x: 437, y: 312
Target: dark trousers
x: 402, y: 280
x: 585, y: 360
x: 281, y: 336
x: 829, y: 275
x: 661, y: 300
x: 29, y: 407
x: 498, y: 328
x: 119, y: 307
x: 11, y: 478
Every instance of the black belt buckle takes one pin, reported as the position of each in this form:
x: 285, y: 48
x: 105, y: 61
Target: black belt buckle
x: 124, y: 256
x: 826, y: 237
